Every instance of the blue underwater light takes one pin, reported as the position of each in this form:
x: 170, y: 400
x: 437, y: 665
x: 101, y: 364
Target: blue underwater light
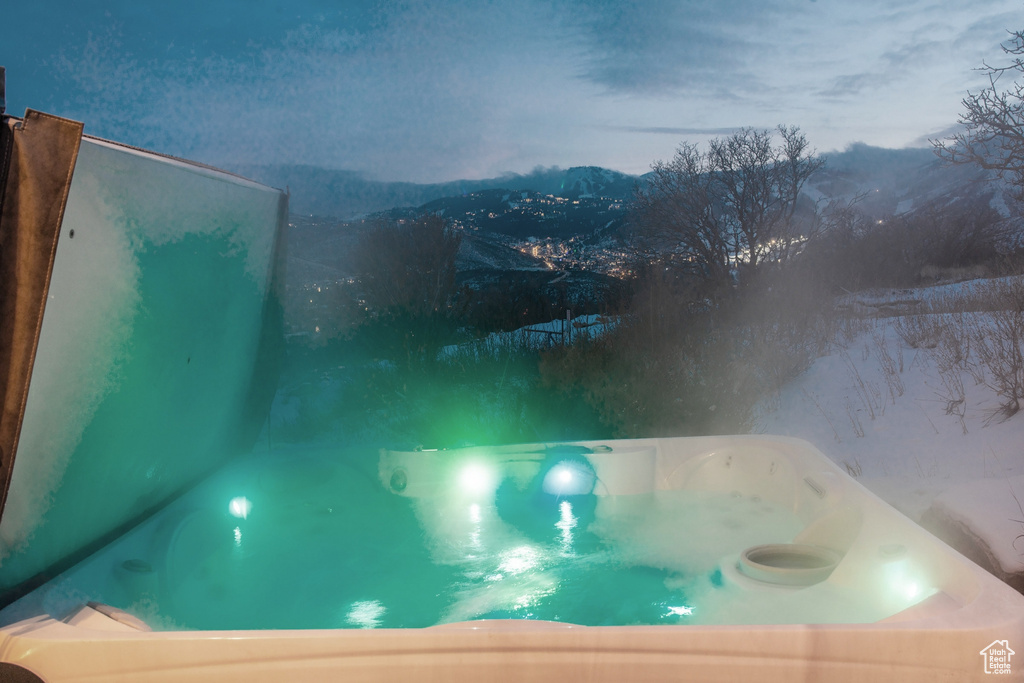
x: 569, y: 478
x: 565, y: 476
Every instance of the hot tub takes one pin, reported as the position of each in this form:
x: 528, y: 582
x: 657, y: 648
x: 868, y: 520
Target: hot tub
x: 523, y: 563
x: 138, y: 542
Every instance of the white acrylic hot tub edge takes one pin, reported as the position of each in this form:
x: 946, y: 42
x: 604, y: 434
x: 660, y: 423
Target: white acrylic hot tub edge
x: 942, y: 648
x: 938, y: 639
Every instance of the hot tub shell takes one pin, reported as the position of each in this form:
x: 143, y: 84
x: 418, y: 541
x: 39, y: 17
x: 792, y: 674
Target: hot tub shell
x: 941, y: 638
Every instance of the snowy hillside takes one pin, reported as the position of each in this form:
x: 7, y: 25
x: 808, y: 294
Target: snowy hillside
x: 593, y: 181
x: 887, y: 182
x: 924, y: 434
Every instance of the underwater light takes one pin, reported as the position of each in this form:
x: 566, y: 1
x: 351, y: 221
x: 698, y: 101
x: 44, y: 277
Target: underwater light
x: 240, y: 507
x: 477, y: 479
x: 906, y: 584
x: 569, y: 478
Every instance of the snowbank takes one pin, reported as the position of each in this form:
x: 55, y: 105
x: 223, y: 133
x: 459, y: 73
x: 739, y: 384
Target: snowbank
x: 885, y: 412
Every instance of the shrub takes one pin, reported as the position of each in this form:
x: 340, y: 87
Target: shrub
x: 681, y: 362
x: 1000, y: 344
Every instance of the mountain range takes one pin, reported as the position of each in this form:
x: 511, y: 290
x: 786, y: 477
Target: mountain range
x: 574, y: 218
x: 347, y: 195
x: 887, y: 181
x: 553, y: 223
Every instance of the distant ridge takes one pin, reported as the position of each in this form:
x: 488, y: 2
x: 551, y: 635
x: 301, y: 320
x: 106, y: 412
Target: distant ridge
x: 887, y: 181
x: 347, y: 194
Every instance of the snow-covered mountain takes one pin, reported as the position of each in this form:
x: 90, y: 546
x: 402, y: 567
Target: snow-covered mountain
x: 575, y: 219
x: 347, y: 194
x: 594, y: 182
x: 887, y: 181
x: 898, y: 181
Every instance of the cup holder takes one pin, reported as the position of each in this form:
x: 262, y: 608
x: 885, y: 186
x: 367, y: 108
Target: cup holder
x: 788, y: 564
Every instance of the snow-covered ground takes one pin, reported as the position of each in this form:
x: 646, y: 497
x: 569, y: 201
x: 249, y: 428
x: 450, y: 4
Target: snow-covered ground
x: 903, y: 434
x: 538, y: 336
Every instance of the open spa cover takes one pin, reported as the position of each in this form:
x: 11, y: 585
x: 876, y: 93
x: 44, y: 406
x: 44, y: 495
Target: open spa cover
x: 138, y: 330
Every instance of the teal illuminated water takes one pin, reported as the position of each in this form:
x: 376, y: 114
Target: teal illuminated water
x: 306, y: 539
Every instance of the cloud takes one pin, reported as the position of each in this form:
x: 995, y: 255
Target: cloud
x: 912, y: 54
x: 898, y: 63
x: 666, y: 130
x: 904, y: 47
x: 851, y: 85
x: 666, y: 46
x: 435, y: 90
x: 926, y: 140
x: 981, y: 31
x: 407, y: 91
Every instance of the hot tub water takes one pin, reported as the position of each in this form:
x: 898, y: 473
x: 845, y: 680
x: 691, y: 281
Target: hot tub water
x: 303, y: 539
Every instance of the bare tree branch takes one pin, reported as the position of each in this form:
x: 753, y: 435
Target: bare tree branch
x: 993, y: 121
x: 731, y: 206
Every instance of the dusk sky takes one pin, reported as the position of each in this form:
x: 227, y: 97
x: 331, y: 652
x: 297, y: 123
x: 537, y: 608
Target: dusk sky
x: 433, y: 91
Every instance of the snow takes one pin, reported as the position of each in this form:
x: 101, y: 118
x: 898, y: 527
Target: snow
x: 903, y: 435
x: 879, y: 298
x: 538, y: 336
x: 992, y: 509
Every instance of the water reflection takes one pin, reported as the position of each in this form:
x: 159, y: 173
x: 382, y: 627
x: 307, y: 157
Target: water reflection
x: 474, y: 532
x: 566, y: 523
x: 518, y: 560
x: 366, y: 614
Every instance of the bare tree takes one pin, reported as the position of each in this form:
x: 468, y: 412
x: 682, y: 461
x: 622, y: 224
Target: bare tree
x: 961, y: 234
x: 407, y: 276
x: 409, y: 266
x: 993, y: 121
x: 680, y: 209
x: 731, y: 206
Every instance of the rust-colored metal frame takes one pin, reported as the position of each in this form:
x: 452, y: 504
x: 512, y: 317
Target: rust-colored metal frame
x: 37, y: 159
